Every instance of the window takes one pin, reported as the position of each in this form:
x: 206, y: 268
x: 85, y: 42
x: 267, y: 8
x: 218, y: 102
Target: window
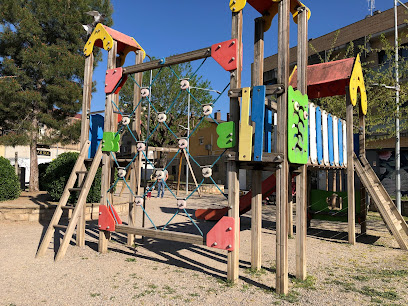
x: 201, y: 141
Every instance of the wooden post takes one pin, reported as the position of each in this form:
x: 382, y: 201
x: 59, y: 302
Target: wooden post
x: 85, y: 119
x: 350, y: 171
x: 256, y: 201
x: 301, y: 179
x: 106, y: 159
x: 282, y: 177
x: 135, y: 169
x: 362, y: 151
x: 232, y: 166
x: 192, y: 172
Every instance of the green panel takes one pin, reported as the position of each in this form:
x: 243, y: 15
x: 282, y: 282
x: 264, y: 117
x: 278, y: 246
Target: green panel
x: 226, y: 135
x: 110, y: 142
x: 298, y: 135
x: 319, y: 208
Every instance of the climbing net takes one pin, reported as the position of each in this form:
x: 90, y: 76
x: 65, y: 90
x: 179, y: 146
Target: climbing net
x: 181, y: 143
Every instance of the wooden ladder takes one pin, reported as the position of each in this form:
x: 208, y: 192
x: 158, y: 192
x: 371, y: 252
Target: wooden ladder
x: 78, y: 208
x: 392, y: 218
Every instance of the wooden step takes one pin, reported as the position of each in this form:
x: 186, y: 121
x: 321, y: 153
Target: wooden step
x: 75, y: 189
x: 57, y: 226
x: 67, y: 207
x: 81, y: 172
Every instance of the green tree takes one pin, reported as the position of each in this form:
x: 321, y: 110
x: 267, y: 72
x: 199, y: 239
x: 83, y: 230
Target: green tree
x: 165, y: 90
x: 41, y: 69
x: 381, y: 112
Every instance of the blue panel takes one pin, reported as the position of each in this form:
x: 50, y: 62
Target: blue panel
x: 330, y: 136
x: 258, y: 116
x: 95, y: 133
x: 268, y: 130
x: 340, y: 128
x: 319, y: 136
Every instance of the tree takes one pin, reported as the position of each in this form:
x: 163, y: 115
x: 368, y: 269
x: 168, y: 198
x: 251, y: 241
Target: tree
x: 381, y: 112
x: 41, y: 69
x: 165, y: 90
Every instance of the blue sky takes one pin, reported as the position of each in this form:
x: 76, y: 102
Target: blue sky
x: 165, y: 28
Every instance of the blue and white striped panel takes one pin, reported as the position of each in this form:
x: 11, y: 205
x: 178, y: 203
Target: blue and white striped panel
x: 312, y: 133
x: 336, y: 140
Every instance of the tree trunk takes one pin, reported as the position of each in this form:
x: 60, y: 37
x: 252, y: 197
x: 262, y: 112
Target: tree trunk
x: 33, y: 183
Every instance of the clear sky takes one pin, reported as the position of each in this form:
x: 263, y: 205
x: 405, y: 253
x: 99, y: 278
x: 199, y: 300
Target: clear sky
x: 168, y: 27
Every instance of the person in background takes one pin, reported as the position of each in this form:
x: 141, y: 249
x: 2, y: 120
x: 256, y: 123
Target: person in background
x: 160, y: 184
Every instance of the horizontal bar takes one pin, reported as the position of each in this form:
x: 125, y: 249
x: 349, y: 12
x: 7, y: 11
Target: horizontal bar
x: 275, y: 89
x: 266, y: 157
x: 165, y: 235
x: 171, y: 60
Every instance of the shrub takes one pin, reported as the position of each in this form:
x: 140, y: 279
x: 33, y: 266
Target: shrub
x: 9, y: 183
x: 41, y: 173
x: 57, y: 175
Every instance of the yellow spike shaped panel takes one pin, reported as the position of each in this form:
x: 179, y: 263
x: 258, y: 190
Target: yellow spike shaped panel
x: 357, y: 82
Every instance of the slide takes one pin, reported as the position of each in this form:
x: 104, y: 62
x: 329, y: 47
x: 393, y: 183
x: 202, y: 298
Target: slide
x: 268, y: 187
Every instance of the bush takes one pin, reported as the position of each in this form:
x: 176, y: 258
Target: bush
x: 9, y: 183
x: 57, y: 175
x: 41, y: 173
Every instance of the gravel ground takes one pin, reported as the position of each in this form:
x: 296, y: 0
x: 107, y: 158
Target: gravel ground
x: 169, y: 273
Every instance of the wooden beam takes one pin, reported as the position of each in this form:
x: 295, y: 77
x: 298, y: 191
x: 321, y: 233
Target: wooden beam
x: 169, y: 61
x: 86, y: 107
x: 362, y: 151
x: 179, y: 172
x: 301, y: 180
x: 106, y: 159
x: 275, y: 89
x: 282, y: 173
x: 232, y: 166
x: 350, y: 172
x: 158, y: 234
x: 136, y: 129
x: 191, y: 171
x: 256, y: 200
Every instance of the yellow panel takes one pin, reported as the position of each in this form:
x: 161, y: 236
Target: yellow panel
x: 274, y: 10
x: 245, y: 130
x: 128, y: 49
x: 237, y: 5
x: 357, y: 82
x: 98, y: 33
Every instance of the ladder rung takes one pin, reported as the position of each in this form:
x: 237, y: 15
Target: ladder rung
x: 82, y: 172
x: 67, y: 207
x: 75, y: 189
x: 61, y: 226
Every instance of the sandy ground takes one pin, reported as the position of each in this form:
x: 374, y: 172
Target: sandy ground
x: 157, y: 272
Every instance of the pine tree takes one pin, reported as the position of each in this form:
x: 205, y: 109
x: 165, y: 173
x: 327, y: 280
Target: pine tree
x: 41, y: 69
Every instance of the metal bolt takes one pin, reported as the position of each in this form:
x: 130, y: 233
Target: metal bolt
x: 106, y: 72
x: 259, y: 89
x: 219, y: 46
x: 114, y: 71
x: 257, y: 157
x: 214, y: 244
x: 107, y: 227
x: 99, y: 225
x: 233, y: 8
x: 230, y: 228
x: 229, y: 155
x: 233, y: 42
x: 233, y: 2
x: 230, y: 140
x: 232, y: 58
x: 278, y: 157
x: 244, y: 156
x: 279, y: 167
x: 229, y: 246
x: 100, y: 213
x: 106, y: 84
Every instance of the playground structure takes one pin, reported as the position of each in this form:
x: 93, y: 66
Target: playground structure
x: 307, y: 137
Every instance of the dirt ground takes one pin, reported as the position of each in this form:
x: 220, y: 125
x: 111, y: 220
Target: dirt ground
x: 157, y: 272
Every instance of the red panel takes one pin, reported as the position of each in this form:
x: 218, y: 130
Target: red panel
x: 225, y: 54
x: 114, y: 80
x: 327, y: 79
x: 222, y: 235
x: 112, y: 211
x: 119, y: 118
x: 105, y: 221
x: 122, y: 39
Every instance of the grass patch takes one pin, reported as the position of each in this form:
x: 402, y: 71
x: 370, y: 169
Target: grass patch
x: 168, y: 290
x: 291, y: 297
x: 212, y: 290
x: 387, y: 294
x: 226, y: 282
x: 143, y: 293
x: 308, y: 283
x: 152, y: 286
x: 254, y: 272
x: 361, y: 278
x: 95, y: 294
x: 130, y: 259
x: 193, y: 294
